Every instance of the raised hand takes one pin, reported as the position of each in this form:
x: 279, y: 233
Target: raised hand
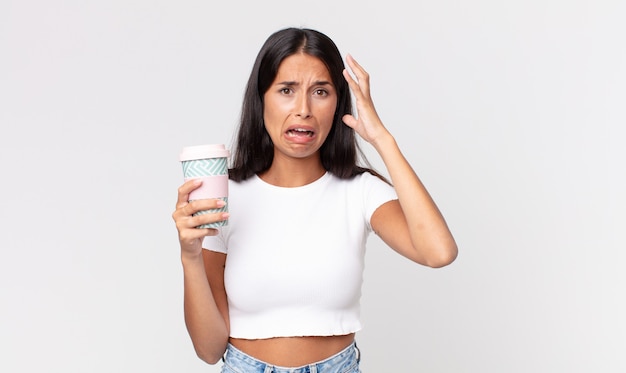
x: 367, y: 123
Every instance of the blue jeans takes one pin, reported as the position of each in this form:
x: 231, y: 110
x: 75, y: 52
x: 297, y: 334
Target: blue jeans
x: 346, y: 361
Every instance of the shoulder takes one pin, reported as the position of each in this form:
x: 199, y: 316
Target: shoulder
x: 365, y: 181
x: 247, y: 183
x: 371, y: 189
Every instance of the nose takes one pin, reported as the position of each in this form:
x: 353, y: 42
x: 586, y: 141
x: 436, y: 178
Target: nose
x: 303, y: 107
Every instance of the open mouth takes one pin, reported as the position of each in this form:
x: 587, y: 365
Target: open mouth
x: 297, y: 132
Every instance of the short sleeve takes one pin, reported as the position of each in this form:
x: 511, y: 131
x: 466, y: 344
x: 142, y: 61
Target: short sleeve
x: 376, y: 192
x: 216, y: 243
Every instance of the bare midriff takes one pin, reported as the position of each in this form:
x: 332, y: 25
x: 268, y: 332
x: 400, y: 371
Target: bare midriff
x: 293, y: 351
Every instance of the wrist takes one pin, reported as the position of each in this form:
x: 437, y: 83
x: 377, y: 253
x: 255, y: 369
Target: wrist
x: 191, y: 259
x: 384, y: 141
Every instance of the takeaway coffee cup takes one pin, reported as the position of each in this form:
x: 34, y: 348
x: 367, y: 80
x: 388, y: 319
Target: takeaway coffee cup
x: 208, y: 163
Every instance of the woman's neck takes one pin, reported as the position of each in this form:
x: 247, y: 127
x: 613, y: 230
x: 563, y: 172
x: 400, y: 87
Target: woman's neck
x: 293, y: 173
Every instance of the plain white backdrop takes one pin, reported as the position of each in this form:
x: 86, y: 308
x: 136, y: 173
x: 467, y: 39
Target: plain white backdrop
x: 512, y: 113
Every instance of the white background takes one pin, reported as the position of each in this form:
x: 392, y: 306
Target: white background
x: 512, y: 113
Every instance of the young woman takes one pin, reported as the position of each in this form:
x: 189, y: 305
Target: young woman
x: 278, y: 288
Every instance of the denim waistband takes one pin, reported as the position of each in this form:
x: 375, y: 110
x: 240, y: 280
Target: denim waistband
x: 345, y: 361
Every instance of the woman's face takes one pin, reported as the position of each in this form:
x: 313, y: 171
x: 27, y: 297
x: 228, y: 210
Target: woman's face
x: 299, y: 106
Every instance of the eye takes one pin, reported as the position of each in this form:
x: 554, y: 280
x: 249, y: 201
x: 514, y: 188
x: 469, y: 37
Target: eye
x: 285, y: 90
x: 320, y: 92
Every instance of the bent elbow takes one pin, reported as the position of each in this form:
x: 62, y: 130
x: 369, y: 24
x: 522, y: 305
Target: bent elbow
x: 444, y: 257
x: 209, y: 358
x: 210, y: 354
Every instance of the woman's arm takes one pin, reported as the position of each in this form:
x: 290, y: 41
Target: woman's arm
x: 205, y: 305
x: 412, y: 225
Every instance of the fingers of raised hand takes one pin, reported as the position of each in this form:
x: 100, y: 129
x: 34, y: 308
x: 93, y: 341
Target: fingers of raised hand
x: 354, y: 86
x: 362, y: 76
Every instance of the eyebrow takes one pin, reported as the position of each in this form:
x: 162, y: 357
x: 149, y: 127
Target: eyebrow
x: 293, y: 83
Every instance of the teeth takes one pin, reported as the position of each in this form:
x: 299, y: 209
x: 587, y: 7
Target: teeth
x: 301, y: 130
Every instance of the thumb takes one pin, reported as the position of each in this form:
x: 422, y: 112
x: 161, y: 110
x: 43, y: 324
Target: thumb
x: 349, y: 120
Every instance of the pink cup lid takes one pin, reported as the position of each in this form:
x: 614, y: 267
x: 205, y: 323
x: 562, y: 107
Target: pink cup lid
x: 204, y: 151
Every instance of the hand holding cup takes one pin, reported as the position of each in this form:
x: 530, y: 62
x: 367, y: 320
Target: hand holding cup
x: 208, y: 164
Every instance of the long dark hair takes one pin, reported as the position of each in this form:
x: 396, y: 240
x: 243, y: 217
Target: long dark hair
x: 254, y: 150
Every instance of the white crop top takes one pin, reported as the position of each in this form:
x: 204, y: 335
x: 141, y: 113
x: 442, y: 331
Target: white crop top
x: 295, y: 256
